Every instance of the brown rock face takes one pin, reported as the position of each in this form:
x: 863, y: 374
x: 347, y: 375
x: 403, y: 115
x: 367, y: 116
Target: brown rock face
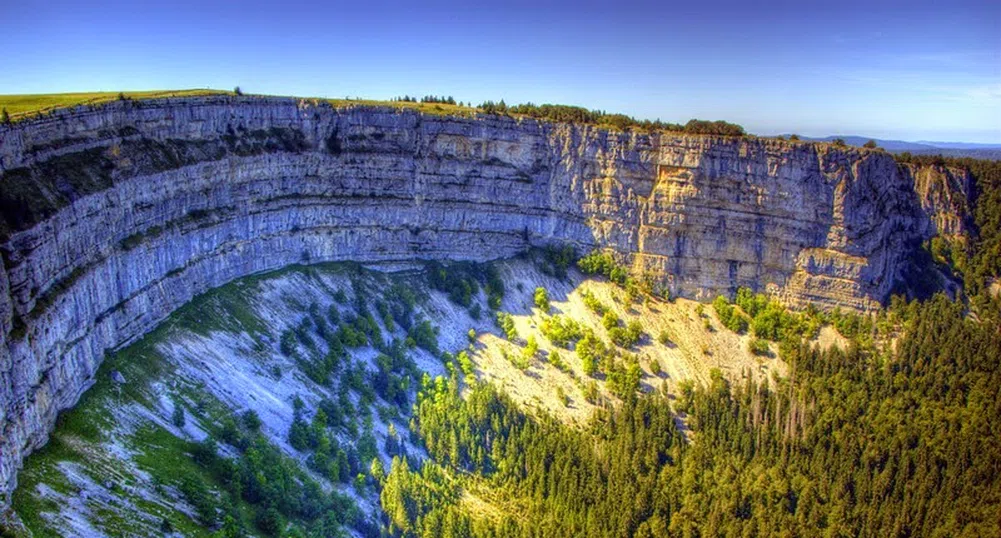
x: 114, y: 217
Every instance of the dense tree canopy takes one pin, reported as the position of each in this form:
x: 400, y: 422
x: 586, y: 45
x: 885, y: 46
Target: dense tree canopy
x: 581, y: 115
x: 853, y: 443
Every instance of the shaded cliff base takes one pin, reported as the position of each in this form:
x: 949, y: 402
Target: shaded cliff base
x: 125, y: 460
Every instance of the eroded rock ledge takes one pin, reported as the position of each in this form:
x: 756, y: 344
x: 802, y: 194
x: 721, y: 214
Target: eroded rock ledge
x: 115, y: 216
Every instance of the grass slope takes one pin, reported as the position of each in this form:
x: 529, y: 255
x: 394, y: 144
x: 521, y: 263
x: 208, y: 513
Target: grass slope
x: 27, y: 106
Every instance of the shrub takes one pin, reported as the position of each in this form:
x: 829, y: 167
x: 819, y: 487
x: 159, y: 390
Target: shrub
x: 610, y: 321
x: 288, y: 343
x: 628, y: 336
x: 178, y: 415
x: 270, y: 521
x: 561, y: 395
x: 237, y: 91
x: 635, y: 329
x: 425, y: 336
x: 302, y: 334
x: 230, y: 433
x: 506, y: 323
x: 591, y: 350
x: 350, y: 336
x: 197, y: 493
x: 494, y: 288
x: 250, y: 420
x: 593, y: 304
x: 686, y: 395
x: 557, y: 360
x: 519, y: 360
x: 729, y: 316
x: 531, y: 348
x: 557, y: 260
x: 665, y: 337
x: 737, y: 323
x: 749, y: 302
x: 602, y: 263
x: 576, y: 114
x: 4, y: 117
x: 772, y: 322
x: 542, y: 299
x: 714, y: 128
x: 458, y: 281
x: 722, y: 308
x: 758, y: 346
x: 851, y: 325
x: 624, y: 381
x: 204, y: 452
x: 665, y: 293
x: 299, y: 434
x: 561, y: 330
x: 376, y: 470
x: 465, y: 363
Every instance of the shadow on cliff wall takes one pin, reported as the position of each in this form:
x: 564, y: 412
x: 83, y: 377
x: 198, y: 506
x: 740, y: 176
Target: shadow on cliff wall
x: 920, y: 275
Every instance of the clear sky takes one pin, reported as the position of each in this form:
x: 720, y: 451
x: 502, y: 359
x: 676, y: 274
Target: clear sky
x: 923, y: 69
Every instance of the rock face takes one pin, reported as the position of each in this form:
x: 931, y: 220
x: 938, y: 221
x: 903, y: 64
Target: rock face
x: 115, y: 216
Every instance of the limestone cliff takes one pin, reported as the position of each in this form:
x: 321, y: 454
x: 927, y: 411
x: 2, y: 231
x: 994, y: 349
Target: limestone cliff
x: 115, y: 216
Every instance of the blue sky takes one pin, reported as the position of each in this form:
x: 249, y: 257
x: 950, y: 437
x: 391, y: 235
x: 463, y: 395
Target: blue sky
x: 925, y: 69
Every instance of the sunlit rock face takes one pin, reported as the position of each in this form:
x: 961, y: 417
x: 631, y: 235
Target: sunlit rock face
x: 115, y: 216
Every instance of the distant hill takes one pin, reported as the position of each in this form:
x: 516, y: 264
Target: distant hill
x: 923, y: 147
x: 958, y: 145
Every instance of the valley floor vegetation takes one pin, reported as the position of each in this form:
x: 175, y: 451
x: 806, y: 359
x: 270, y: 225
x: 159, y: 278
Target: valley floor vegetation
x: 891, y: 436
x: 857, y: 442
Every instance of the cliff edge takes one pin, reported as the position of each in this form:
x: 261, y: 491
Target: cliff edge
x: 114, y: 216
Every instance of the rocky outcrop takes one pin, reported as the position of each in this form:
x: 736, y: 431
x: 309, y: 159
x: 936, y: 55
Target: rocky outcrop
x: 115, y: 216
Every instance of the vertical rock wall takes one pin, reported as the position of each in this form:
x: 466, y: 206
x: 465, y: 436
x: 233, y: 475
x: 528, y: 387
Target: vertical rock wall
x: 115, y: 216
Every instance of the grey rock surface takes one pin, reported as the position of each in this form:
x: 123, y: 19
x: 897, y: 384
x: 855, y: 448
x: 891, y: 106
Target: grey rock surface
x: 115, y: 216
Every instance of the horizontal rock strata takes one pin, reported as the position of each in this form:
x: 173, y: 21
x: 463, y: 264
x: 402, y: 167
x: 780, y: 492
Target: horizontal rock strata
x: 115, y: 216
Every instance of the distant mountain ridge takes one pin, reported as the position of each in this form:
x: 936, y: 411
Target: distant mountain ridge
x: 959, y: 145
x: 923, y: 147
